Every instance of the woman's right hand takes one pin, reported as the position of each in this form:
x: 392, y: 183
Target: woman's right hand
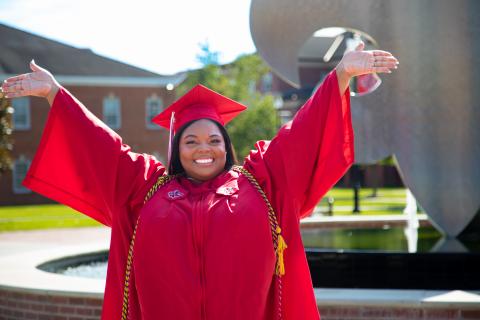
x: 40, y: 83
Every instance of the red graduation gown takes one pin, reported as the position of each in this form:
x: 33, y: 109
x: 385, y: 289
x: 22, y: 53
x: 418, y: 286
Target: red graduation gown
x: 201, y: 251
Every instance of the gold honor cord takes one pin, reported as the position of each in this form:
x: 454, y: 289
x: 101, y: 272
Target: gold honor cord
x: 279, y: 244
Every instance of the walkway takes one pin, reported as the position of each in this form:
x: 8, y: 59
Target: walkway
x: 12, y: 243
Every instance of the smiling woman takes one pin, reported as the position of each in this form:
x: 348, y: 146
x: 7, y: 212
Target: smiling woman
x: 203, y: 239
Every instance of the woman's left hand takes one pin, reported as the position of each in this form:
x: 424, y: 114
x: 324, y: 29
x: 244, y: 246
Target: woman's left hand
x: 358, y: 62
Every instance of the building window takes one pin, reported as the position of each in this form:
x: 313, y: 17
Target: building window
x: 154, y: 106
x: 21, y: 115
x: 267, y: 81
x: 20, y: 168
x: 111, y: 112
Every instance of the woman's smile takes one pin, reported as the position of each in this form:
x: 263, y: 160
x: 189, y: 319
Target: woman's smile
x: 204, y: 161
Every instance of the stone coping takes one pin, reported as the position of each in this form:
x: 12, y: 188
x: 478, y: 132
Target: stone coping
x: 361, y: 221
x: 457, y: 299
x: 18, y: 272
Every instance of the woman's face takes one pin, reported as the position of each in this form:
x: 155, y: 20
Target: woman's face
x: 202, y: 150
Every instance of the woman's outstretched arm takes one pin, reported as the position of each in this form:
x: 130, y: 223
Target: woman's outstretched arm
x: 80, y: 161
x: 310, y: 153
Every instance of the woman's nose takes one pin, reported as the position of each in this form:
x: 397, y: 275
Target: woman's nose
x: 204, y: 147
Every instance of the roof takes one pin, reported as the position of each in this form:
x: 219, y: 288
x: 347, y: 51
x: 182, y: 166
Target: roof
x: 18, y: 47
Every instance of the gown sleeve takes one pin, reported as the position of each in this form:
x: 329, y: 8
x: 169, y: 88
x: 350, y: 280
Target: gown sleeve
x: 82, y: 163
x: 309, y: 154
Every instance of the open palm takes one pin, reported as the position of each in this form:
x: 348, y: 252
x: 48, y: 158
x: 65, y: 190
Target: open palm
x: 39, y: 82
x: 358, y: 62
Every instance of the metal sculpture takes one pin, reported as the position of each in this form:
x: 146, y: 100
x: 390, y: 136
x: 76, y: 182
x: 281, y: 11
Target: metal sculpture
x: 427, y: 113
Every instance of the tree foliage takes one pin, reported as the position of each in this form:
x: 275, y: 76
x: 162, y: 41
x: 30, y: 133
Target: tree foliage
x: 259, y: 122
x: 207, y: 56
x: 6, y: 146
x: 238, y: 81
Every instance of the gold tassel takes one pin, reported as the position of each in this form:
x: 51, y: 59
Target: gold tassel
x: 282, y: 245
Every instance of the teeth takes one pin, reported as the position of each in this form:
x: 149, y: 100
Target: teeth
x: 203, y: 161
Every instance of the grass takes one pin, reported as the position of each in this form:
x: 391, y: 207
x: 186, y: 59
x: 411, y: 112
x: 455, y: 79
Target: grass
x: 46, y: 216
x: 12, y: 218
x: 387, y: 201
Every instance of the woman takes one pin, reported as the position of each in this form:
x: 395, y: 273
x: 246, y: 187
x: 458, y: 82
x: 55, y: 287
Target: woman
x: 203, y: 244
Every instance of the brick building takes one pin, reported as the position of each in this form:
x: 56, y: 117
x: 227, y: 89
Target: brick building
x: 124, y: 97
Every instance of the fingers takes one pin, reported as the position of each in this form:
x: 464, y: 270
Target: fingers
x: 35, y: 67
x: 382, y: 70
x: 384, y: 66
x: 392, y: 64
x: 381, y: 53
x: 384, y: 56
x: 360, y: 46
x: 16, y: 78
x: 15, y: 86
x: 11, y: 85
x: 13, y: 89
x: 383, y: 61
x: 14, y: 94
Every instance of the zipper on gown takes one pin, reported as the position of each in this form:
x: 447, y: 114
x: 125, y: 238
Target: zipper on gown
x: 198, y: 220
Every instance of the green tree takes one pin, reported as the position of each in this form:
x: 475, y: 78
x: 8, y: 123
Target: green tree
x: 210, y: 75
x: 258, y: 122
x: 6, y: 146
x: 244, y: 73
x: 207, y: 56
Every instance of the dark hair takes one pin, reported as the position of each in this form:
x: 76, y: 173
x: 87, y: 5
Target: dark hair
x: 175, y: 165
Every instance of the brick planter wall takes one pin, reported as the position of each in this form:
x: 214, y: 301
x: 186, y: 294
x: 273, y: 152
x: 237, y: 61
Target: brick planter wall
x: 23, y: 304
x: 36, y: 305
x: 396, y: 313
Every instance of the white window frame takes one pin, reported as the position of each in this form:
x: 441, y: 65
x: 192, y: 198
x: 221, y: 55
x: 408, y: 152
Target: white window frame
x: 18, y: 104
x: 18, y: 177
x: 112, y: 102
x: 148, y: 112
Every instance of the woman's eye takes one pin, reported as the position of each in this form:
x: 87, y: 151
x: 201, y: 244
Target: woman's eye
x: 190, y: 142
x: 215, y: 141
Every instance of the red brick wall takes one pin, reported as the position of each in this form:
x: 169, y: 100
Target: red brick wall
x: 31, y: 305
x: 396, y: 313
x: 133, y: 129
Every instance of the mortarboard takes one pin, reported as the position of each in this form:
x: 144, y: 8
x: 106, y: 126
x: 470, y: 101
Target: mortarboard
x: 198, y: 103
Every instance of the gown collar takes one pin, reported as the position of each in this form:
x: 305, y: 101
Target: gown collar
x: 225, y: 183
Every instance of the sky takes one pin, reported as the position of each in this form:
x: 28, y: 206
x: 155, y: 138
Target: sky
x: 158, y: 35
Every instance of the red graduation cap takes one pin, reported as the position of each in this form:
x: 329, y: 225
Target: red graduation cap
x: 198, y: 103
